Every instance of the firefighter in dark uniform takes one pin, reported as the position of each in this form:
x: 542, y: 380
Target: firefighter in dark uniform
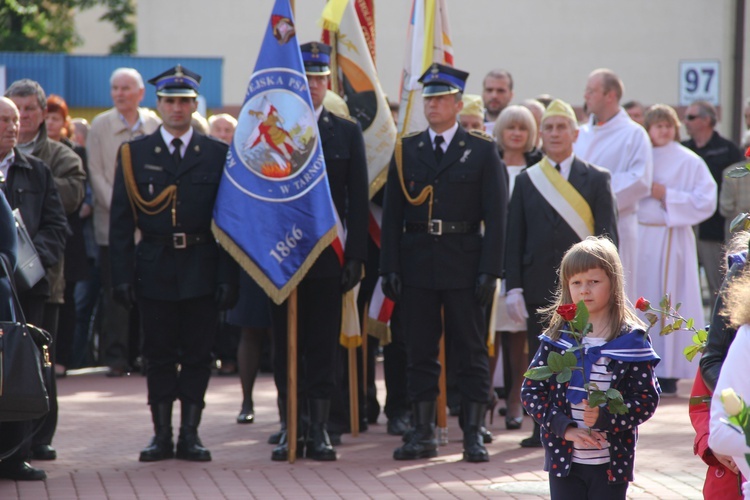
x: 319, y: 294
x: 442, y: 243
x: 165, y: 185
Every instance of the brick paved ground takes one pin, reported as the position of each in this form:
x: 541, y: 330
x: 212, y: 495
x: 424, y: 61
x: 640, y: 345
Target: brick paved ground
x: 105, y: 422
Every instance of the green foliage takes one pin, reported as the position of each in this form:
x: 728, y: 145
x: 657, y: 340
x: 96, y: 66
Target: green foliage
x: 699, y: 345
x: 121, y: 13
x: 48, y: 25
x: 41, y: 26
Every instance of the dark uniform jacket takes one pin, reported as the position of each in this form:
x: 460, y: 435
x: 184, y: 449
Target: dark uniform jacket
x: 31, y: 189
x: 346, y: 168
x: 468, y: 187
x: 160, y: 271
x: 538, y: 237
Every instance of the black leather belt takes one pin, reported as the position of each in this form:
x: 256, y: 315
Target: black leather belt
x: 438, y: 227
x: 178, y: 240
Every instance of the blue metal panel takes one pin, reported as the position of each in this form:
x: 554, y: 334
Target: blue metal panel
x: 47, y: 69
x: 88, y: 77
x: 83, y: 81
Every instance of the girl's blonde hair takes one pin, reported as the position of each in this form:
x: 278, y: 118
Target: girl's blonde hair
x: 737, y: 293
x: 595, y: 252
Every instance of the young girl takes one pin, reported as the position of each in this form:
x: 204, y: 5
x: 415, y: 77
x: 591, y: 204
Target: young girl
x: 722, y: 438
x: 589, y: 452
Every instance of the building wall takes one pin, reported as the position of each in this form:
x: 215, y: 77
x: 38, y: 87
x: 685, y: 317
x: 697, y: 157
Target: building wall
x: 549, y: 46
x: 97, y: 35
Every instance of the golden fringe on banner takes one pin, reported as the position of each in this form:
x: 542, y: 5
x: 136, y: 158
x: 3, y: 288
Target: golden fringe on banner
x: 276, y: 294
x: 333, y: 12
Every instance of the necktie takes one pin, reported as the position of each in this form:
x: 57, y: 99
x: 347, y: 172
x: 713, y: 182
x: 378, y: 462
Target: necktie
x: 177, y: 143
x: 557, y: 167
x: 439, y: 148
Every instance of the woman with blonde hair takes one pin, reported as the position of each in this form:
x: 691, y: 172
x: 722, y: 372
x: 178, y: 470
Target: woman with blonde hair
x: 515, y: 132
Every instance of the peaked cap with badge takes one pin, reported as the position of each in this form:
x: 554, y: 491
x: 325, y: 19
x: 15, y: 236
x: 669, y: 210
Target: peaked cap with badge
x: 440, y: 79
x: 316, y: 57
x: 177, y: 82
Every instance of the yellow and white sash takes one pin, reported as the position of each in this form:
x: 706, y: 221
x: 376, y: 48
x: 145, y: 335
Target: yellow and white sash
x: 563, y: 197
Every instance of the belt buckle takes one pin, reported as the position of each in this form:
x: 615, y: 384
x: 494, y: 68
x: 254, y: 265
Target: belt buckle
x: 435, y: 227
x: 179, y: 240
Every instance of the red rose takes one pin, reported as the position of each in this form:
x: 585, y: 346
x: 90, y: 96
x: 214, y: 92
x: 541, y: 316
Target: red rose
x: 747, y: 153
x: 642, y: 304
x: 567, y: 311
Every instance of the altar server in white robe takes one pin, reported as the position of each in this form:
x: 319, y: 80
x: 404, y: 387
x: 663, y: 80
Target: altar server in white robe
x: 612, y: 140
x: 683, y: 194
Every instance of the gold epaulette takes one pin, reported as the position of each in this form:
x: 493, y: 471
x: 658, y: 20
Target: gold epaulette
x: 482, y: 135
x: 157, y: 205
x: 411, y: 134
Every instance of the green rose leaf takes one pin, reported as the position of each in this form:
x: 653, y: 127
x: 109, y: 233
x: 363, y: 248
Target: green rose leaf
x: 597, y: 398
x: 582, y: 317
x: 538, y: 373
x: 614, y: 394
x: 569, y: 359
x: 690, y: 323
x: 564, y: 375
x: 555, y: 362
x: 692, y: 351
x: 617, y: 407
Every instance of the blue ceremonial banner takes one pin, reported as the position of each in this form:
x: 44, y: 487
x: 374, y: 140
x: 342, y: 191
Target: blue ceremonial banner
x: 274, y: 212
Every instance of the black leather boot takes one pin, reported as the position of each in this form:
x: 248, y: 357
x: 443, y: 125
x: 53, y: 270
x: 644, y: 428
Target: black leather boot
x: 535, y: 441
x: 421, y: 441
x: 473, y: 416
x: 162, y: 445
x: 189, y: 446
x: 275, y: 438
x: 318, y: 444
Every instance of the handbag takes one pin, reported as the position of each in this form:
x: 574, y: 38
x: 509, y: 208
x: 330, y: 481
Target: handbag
x: 29, y: 269
x: 24, y: 357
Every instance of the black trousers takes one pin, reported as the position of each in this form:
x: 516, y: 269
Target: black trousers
x: 318, y: 329
x: 586, y: 482
x: 115, y: 338
x: 395, y: 361
x: 464, y: 326
x: 178, y: 333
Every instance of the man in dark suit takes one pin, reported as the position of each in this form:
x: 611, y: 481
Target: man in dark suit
x: 165, y: 185
x: 544, y: 223
x: 319, y: 294
x: 28, y: 185
x: 442, y: 185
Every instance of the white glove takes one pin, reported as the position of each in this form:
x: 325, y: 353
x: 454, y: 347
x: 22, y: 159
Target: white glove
x: 746, y: 489
x: 516, y: 306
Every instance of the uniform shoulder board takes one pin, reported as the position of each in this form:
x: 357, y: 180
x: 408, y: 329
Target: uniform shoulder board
x: 344, y: 117
x: 482, y: 135
x: 411, y: 134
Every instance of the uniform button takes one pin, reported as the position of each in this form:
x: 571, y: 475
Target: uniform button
x: 435, y: 201
x: 437, y: 181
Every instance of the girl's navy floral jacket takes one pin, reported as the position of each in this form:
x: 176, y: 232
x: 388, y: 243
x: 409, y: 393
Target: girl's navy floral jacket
x: 546, y: 402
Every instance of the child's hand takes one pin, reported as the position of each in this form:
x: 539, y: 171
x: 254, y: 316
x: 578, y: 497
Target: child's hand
x: 585, y: 438
x: 590, y: 415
